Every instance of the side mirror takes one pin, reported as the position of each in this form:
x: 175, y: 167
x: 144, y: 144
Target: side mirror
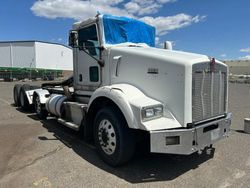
x: 73, y: 38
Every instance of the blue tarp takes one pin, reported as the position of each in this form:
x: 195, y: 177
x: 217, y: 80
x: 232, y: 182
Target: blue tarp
x: 121, y: 29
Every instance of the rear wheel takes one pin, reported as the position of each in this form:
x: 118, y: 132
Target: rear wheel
x: 114, y: 141
x: 24, y: 103
x: 40, y: 110
x: 16, y: 93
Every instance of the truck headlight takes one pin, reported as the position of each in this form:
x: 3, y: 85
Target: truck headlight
x: 151, y: 112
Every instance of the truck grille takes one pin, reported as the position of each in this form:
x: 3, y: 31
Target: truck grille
x: 209, y: 89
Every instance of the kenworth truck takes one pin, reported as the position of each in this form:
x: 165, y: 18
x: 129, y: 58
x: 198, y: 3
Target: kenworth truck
x: 123, y: 87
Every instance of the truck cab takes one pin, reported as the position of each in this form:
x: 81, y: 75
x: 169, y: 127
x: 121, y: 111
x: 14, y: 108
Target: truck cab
x: 122, y: 85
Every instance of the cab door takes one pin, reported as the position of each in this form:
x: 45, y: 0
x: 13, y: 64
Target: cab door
x: 88, y: 69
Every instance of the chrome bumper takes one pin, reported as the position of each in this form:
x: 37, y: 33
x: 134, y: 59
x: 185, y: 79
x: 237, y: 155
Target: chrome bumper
x: 190, y: 140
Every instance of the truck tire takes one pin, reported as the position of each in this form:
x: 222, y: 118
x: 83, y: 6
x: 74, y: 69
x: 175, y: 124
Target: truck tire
x: 24, y: 103
x: 40, y: 110
x: 16, y: 93
x: 114, y: 141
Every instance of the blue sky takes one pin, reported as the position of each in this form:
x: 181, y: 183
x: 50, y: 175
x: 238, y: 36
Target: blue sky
x: 218, y: 28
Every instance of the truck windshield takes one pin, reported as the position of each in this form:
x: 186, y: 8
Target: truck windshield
x: 121, y: 29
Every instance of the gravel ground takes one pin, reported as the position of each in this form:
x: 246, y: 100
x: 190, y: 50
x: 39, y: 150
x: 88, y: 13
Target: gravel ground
x: 45, y: 154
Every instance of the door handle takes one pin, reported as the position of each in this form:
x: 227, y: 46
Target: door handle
x: 80, y: 77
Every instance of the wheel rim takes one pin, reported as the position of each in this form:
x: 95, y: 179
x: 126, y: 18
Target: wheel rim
x: 37, y: 105
x: 107, y: 137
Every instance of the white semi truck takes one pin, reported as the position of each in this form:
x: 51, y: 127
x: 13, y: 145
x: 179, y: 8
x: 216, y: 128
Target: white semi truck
x: 124, y: 88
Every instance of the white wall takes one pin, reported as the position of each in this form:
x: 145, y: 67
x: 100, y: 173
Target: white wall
x: 23, y: 54
x: 17, y: 54
x: 5, y: 60
x: 53, y: 56
x: 36, y: 55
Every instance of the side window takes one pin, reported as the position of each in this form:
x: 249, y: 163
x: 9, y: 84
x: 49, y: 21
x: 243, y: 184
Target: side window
x: 87, y: 39
x: 94, y: 74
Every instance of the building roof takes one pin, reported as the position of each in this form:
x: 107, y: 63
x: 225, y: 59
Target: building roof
x: 23, y: 41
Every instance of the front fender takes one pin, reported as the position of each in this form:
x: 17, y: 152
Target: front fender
x: 129, y: 99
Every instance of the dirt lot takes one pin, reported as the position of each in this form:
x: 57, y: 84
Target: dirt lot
x: 46, y: 154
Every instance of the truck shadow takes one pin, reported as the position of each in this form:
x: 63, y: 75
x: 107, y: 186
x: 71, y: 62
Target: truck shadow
x: 144, y: 167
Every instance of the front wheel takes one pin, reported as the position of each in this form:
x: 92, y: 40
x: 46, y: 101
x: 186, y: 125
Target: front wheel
x: 114, y: 141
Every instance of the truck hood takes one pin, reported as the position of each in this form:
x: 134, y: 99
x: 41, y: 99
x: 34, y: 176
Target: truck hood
x: 163, y: 75
x: 144, y: 50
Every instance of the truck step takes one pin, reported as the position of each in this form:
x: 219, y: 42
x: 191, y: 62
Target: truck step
x: 69, y: 124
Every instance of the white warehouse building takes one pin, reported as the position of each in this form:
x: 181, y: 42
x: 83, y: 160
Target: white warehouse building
x: 35, y: 54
